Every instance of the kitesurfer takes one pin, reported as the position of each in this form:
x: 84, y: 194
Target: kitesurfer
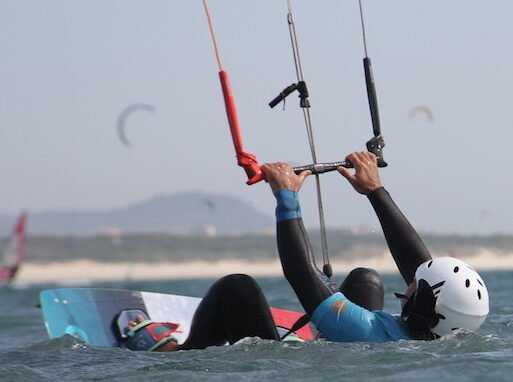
x: 443, y: 294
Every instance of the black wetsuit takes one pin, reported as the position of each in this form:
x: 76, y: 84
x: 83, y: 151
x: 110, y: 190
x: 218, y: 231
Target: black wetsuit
x: 406, y: 247
x: 235, y: 307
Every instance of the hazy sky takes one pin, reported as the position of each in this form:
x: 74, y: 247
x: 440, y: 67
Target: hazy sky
x: 68, y: 68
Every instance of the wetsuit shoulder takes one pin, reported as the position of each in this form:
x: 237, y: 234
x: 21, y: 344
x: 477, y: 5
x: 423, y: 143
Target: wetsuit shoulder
x: 340, y: 320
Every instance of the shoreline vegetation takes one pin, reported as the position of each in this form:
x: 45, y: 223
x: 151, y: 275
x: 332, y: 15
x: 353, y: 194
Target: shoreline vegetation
x: 166, y: 256
x: 83, y: 271
x: 163, y: 247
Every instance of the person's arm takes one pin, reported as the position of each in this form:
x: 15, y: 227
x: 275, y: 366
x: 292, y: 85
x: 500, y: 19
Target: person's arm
x: 296, y: 254
x: 405, y: 244
x: 294, y: 248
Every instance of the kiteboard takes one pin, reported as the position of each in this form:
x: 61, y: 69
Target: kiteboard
x: 91, y: 314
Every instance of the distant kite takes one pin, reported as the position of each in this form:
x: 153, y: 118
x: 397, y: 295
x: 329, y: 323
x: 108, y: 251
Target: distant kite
x: 125, y: 114
x: 485, y: 214
x: 423, y: 110
x: 210, y: 204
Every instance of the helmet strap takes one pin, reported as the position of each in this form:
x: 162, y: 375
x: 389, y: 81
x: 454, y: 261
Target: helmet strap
x: 419, y: 314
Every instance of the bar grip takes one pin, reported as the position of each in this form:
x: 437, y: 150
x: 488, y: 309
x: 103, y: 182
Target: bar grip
x: 319, y: 168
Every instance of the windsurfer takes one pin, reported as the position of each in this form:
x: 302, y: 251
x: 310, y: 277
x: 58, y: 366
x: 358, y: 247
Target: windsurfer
x: 13, y: 251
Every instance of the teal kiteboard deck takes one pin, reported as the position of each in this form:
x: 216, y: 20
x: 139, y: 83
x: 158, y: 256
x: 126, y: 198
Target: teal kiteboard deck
x: 90, y: 313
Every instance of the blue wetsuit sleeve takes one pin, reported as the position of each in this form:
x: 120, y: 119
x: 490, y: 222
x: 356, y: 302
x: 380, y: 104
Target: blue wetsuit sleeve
x: 340, y: 320
x: 287, y: 205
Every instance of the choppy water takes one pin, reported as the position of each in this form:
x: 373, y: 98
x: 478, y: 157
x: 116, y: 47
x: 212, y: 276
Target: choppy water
x: 26, y: 354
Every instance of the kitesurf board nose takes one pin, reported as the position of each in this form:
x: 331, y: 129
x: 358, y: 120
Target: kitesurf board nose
x: 90, y: 314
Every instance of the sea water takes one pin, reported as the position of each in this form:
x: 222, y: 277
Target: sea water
x: 26, y: 353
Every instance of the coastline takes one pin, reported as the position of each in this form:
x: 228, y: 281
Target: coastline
x: 82, y: 271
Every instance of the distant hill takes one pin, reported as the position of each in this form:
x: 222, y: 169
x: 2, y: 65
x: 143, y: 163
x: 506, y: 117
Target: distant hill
x: 188, y: 213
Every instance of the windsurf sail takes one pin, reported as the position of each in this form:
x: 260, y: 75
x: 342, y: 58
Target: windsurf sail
x: 13, y: 251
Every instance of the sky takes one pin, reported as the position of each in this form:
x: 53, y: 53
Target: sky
x: 68, y: 69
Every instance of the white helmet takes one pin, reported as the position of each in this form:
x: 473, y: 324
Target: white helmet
x: 461, y: 294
